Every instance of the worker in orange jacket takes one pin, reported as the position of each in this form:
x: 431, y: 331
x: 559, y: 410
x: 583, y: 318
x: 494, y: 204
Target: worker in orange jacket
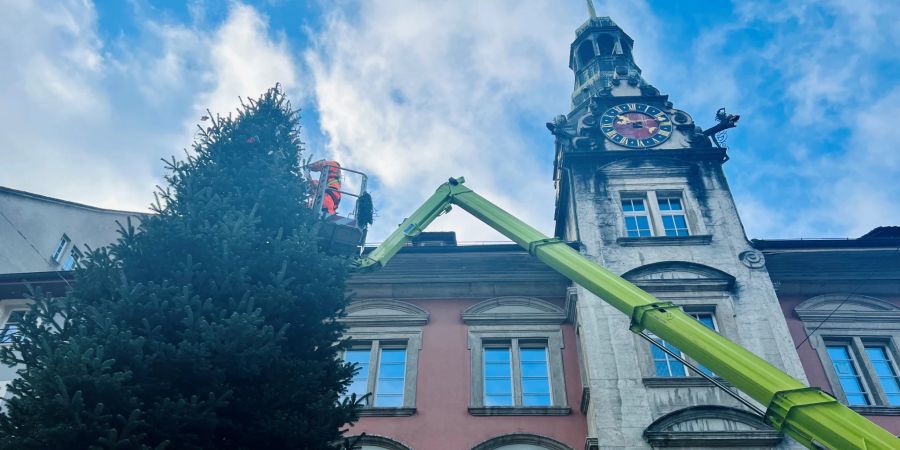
x: 332, y: 197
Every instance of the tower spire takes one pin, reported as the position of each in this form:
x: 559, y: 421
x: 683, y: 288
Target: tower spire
x: 591, y: 10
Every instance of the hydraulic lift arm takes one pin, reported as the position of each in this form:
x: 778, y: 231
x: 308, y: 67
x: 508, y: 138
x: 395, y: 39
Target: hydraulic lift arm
x: 809, y: 415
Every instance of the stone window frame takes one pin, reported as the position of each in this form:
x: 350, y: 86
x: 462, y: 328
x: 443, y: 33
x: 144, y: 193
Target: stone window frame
x: 708, y: 305
x: 669, y: 180
x: 701, y: 288
x: 7, y: 308
x: 60, y: 249
x: 537, y: 320
x: 521, y: 439
x: 650, y: 194
x: 662, y: 432
x: 872, y: 321
x: 379, y: 322
x: 376, y: 440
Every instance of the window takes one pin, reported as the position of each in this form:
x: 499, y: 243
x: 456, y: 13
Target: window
x: 637, y: 218
x: 387, y: 337
x: 515, y: 346
x: 360, y: 383
x: 672, y: 214
x: 387, y: 382
x: 886, y: 371
x: 866, y: 371
x: 391, y: 372
x: 526, y: 383
x: 11, y: 327
x: 665, y: 365
x: 535, y: 376
x: 849, y: 375
x: 498, y: 389
x: 60, y: 248
x: 71, y: 260
x: 585, y: 52
x: 855, y: 337
x: 653, y: 213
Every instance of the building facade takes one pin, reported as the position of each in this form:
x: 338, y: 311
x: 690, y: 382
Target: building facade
x: 485, y: 348
x: 841, y: 302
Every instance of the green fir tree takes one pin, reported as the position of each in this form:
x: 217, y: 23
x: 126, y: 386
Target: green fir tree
x: 210, y: 326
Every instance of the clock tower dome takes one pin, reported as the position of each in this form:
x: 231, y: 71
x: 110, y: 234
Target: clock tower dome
x: 641, y: 189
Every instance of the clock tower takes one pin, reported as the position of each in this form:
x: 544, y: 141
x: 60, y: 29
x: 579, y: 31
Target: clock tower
x: 642, y: 189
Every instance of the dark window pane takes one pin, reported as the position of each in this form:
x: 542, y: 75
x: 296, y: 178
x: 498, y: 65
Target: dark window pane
x: 662, y: 368
x: 668, y: 223
x: 631, y: 223
x: 643, y: 222
x: 638, y: 204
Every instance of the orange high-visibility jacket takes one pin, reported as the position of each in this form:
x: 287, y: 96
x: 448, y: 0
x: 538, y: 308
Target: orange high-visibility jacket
x: 332, y: 181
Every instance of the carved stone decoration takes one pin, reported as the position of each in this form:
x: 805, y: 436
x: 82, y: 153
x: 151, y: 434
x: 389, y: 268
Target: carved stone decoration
x: 527, y: 440
x: 557, y: 126
x: 753, y: 259
x: 698, y: 139
x: 376, y: 441
x: 711, y: 426
x: 648, y: 90
x: 588, y: 134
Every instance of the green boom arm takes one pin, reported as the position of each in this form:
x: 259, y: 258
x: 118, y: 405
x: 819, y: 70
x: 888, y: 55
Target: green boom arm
x: 808, y: 415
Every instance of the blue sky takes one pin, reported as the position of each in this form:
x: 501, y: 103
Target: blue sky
x: 413, y: 92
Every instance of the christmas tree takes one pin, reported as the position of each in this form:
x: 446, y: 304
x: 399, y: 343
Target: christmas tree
x: 209, y: 325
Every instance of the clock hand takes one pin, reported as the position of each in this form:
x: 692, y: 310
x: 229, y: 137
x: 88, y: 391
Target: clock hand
x: 623, y: 120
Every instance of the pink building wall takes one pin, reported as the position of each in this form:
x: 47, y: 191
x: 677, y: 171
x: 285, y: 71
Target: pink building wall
x: 812, y: 364
x: 442, y: 420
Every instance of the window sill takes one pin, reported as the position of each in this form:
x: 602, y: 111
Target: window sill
x: 877, y: 410
x: 700, y: 239
x: 669, y: 382
x: 376, y: 411
x: 520, y: 410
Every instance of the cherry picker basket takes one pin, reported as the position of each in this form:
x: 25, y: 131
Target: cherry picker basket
x: 343, y: 232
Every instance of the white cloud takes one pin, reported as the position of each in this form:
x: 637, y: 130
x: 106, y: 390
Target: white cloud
x: 88, y: 120
x: 414, y: 93
x: 245, y: 61
x: 813, y: 81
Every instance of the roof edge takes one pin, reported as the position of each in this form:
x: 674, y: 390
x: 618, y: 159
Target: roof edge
x: 807, y: 244
x: 44, y: 198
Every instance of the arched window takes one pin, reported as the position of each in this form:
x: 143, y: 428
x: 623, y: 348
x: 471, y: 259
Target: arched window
x: 711, y: 426
x: 605, y: 44
x: 585, y: 53
x: 521, y: 441
x: 709, y: 291
x: 375, y: 442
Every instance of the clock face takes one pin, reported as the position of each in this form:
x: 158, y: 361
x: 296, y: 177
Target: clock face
x: 636, y: 125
